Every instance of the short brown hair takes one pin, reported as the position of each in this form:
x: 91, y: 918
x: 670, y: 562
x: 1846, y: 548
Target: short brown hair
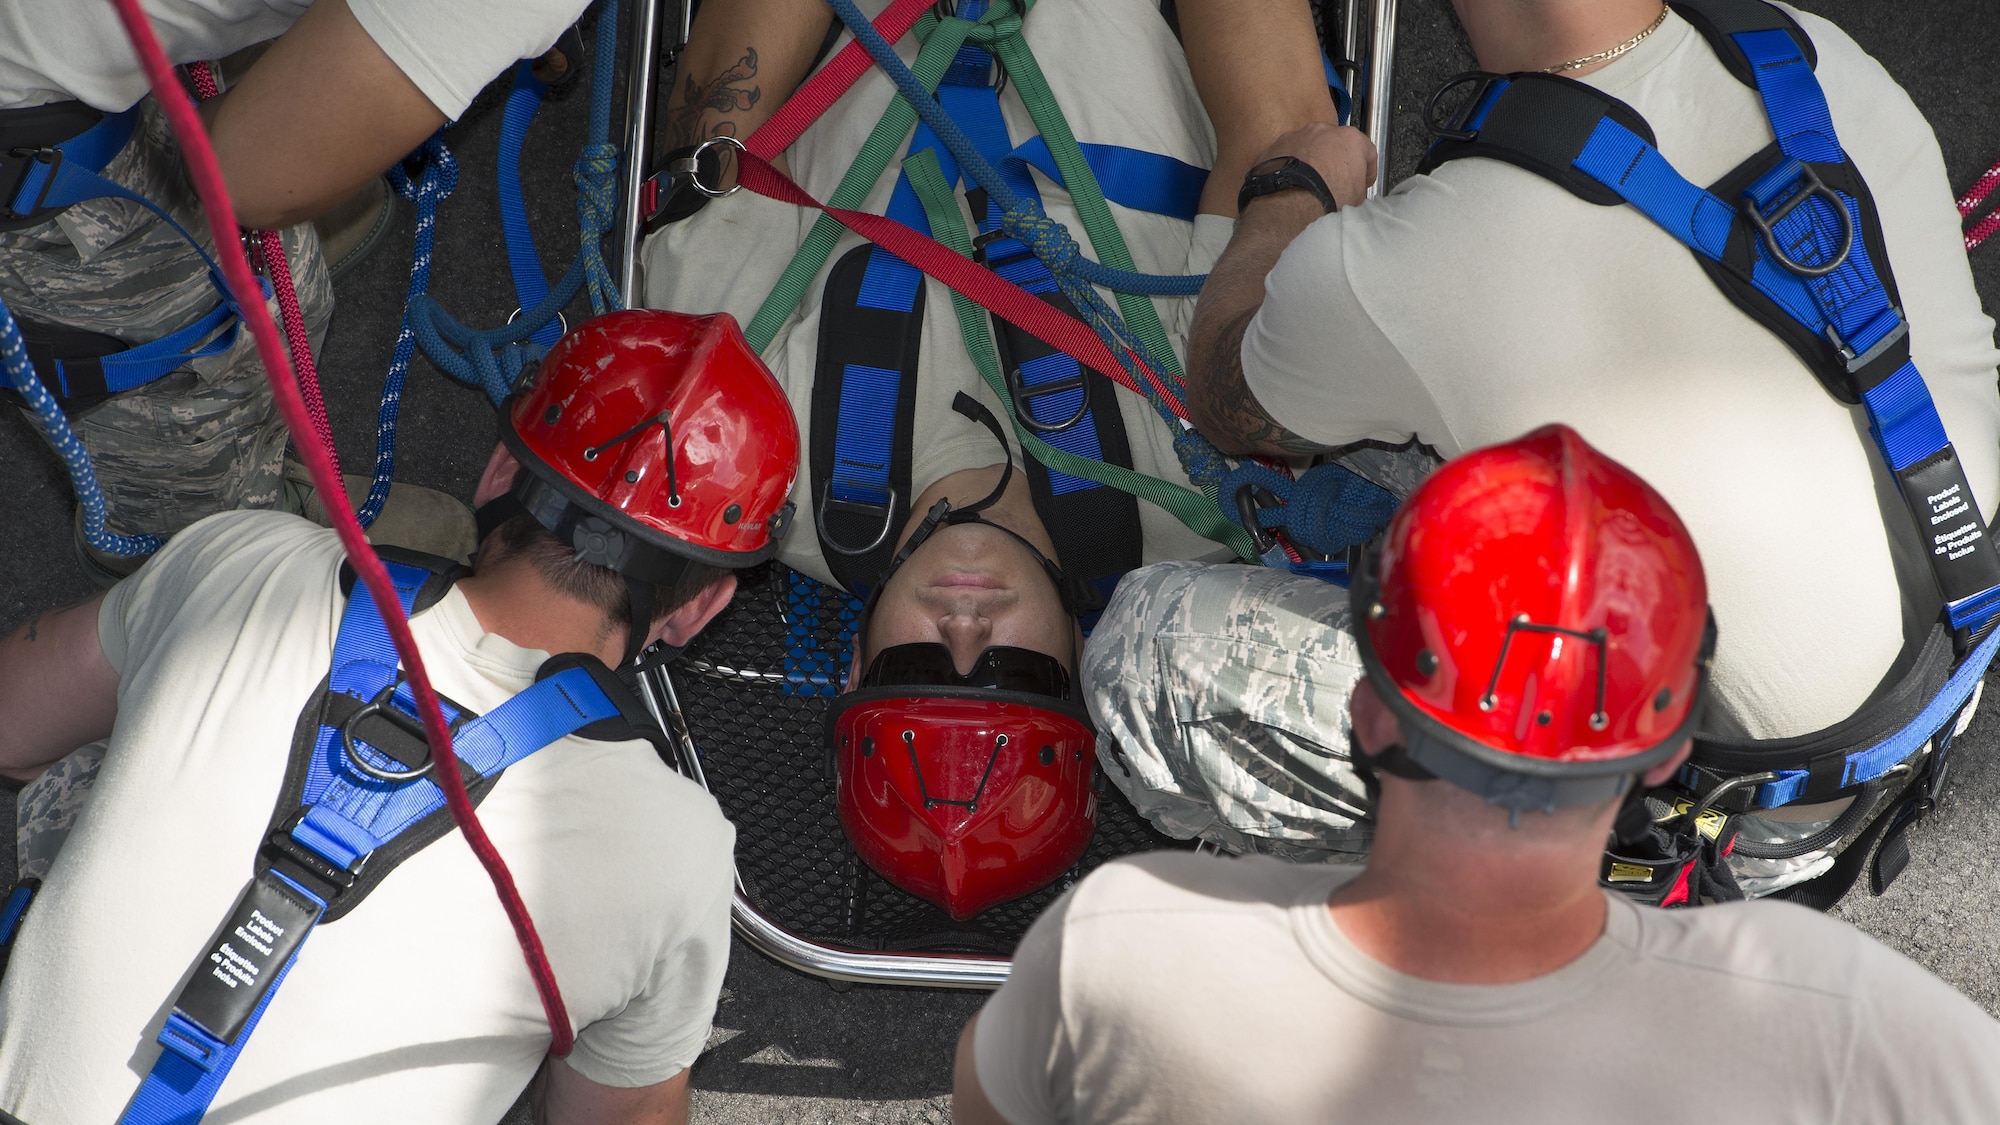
x: 600, y: 586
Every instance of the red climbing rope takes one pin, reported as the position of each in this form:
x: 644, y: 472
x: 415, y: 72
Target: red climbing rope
x: 1970, y: 201
x: 271, y: 255
x: 221, y: 215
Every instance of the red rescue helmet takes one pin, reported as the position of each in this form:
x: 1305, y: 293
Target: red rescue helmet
x: 1536, y: 617
x: 965, y: 795
x: 965, y: 789
x: 651, y: 440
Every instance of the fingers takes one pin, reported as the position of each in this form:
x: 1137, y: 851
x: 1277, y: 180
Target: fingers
x: 1343, y: 156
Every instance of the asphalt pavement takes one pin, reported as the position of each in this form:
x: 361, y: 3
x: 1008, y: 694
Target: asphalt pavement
x: 790, y: 1048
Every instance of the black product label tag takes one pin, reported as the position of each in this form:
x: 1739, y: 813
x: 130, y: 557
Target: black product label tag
x: 246, y: 955
x: 1940, y: 500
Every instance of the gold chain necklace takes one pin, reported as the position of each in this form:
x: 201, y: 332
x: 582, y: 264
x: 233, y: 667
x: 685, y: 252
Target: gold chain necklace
x: 1606, y: 56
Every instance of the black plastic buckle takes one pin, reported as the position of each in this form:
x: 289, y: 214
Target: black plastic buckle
x: 1809, y: 185
x: 1024, y: 394
x: 1251, y: 499
x: 44, y: 154
x: 281, y: 845
x: 1893, y: 344
x: 1437, y: 127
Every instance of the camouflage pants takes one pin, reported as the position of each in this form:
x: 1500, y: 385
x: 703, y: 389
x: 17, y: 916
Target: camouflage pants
x: 206, y: 438
x: 47, y: 806
x: 1220, y: 697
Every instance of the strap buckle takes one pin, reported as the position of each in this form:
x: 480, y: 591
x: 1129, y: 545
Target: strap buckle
x: 1856, y: 364
x: 1024, y: 394
x: 1768, y: 186
x: 828, y: 503
x: 42, y: 154
x: 281, y: 844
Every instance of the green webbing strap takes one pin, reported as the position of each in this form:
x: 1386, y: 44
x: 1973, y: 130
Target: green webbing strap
x: 1198, y: 512
x: 1105, y: 238
x: 941, y: 40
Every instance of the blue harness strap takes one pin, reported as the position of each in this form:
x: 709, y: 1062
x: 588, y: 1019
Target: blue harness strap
x: 358, y: 798
x: 1794, y: 253
x: 68, y: 173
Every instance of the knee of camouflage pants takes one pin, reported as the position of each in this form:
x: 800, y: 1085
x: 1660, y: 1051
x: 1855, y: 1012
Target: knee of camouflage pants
x: 203, y: 439
x: 47, y: 806
x: 1220, y: 697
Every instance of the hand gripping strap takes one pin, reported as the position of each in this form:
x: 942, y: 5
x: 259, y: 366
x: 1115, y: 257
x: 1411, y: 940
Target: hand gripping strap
x: 348, y: 816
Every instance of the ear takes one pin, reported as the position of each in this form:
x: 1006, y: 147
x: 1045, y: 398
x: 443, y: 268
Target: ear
x: 680, y: 626
x: 1375, y: 726
x: 1659, y: 774
x: 501, y: 469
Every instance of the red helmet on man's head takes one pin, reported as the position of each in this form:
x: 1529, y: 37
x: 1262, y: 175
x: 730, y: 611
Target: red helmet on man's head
x: 1537, y: 619
x: 966, y: 798
x: 652, y: 439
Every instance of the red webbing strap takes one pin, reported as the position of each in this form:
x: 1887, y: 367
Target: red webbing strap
x: 814, y: 98
x: 997, y: 295
x: 221, y: 215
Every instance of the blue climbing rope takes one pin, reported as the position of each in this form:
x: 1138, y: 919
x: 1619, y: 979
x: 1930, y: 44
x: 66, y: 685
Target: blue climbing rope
x: 492, y: 361
x: 439, y: 178
x: 55, y: 430
x: 1327, y: 510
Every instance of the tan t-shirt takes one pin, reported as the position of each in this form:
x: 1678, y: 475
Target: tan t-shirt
x: 1472, y: 305
x: 1180, y: 988
x: 417, y: 1006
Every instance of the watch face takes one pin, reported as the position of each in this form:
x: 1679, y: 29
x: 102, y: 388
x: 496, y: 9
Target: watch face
x: 1266, y: 167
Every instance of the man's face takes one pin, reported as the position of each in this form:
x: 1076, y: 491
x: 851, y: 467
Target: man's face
x: 970, y: 587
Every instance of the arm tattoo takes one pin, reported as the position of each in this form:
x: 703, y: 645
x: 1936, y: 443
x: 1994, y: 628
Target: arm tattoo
x: 1223, y: 397
x: 32, y: 622
x: 730, y: 91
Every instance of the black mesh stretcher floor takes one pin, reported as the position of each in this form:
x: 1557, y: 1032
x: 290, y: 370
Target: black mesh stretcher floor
x: 753, y: 690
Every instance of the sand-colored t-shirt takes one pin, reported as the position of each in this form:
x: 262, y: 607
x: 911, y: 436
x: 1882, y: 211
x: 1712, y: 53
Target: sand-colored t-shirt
x: 1179, y: 988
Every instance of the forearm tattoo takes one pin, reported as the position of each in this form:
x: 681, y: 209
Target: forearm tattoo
x: 1223, y: 398
x: 732, y: 91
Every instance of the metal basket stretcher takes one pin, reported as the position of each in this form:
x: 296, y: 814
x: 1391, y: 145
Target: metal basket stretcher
x: 743, y: 706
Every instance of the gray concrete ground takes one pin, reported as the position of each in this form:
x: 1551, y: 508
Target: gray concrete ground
x: 788, y: 1048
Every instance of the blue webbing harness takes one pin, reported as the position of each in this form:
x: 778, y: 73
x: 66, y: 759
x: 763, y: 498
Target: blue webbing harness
x: 1802, y: 255
x: 365, y: 793
x: 859, y: 483
x: 66, y: 173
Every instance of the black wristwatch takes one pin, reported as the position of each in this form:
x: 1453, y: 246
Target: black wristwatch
x: 1283, y: 173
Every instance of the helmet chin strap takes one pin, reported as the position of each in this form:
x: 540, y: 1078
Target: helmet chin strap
x: 942, y: 514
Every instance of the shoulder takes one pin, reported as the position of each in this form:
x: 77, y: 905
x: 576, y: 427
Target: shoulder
x: 637, y: 817
x: 221, y: 564
x: 1788, y: 946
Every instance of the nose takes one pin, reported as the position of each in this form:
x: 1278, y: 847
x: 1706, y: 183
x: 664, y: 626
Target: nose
x: 967, y: 633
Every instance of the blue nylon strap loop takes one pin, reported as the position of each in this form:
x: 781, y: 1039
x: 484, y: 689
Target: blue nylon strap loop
x: 1622, y: 161
x: 1904, y: 418
x: 1130, y: 177
x: 531, y: 285
x: 87, y: 152
x: 1792, y: 96
x: 864, y: 432
x: 1871, y: 763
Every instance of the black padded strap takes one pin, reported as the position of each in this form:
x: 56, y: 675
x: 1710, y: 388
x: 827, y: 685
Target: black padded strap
x: 445, y: 573
x: 1540, y: 122
x: 1717, y: 20
x: 863, y: 335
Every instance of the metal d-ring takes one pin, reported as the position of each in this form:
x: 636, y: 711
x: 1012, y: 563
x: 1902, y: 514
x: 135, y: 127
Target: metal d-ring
x: 560, y: 319
x: 839, y: 548
x: 694, y: 173
x: 381, y: 705
x: 1813, y: 186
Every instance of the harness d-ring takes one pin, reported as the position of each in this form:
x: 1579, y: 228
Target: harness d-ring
x: 694, y: 169
x: 839, y: 548
x: 382, y: 705
x: 1813, y: 186
x: 1436, y: 126
x: 561, y: 320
